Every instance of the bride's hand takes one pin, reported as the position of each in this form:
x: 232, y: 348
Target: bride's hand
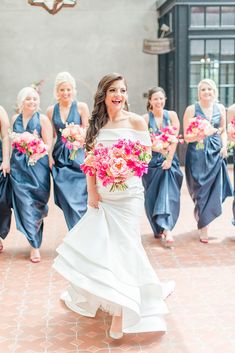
x: 93, y: 199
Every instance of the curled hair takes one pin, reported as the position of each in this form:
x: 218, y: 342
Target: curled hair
x: 64, y: 77
x: 212, y: 85
x: 151, y: 92
x: 99, y: 116
x: 23, y: 94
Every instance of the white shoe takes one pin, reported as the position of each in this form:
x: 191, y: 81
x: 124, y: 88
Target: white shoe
x: 115, y: 335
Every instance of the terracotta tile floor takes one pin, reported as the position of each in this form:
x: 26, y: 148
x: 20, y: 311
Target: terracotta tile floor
x: 202, y: 308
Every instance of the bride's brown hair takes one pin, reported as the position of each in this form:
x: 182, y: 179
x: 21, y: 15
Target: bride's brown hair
x: 99, y: 116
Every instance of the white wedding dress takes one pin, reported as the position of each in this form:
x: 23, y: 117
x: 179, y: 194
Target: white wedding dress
x: 103, y: 258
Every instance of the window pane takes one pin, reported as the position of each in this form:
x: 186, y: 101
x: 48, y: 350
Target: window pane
x: 193, y: 97
x: 212, y: 16
x: 197, y: 48
x: 227, y: 62
x: 226, y: 95
x: 227, y: 16
x: 197, y: 16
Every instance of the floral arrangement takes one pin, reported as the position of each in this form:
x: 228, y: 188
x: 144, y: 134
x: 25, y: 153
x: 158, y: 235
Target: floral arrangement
x: 114, y: 165
x: 73, y: 136
x: 198, y: 127
x: 162, y: 140
x: 30, y: 144
x: 231, y: 135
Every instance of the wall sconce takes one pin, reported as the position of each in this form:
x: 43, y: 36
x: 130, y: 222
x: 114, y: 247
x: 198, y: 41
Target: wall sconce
x: 53, y: 6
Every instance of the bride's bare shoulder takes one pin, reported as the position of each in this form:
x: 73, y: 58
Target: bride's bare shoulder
x: 138, y: 122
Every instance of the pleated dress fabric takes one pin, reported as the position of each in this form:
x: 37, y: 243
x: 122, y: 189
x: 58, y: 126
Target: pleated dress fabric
x: 30, y: 185
x: 162, y: 187
x: 206, y: 174
x: 103, y: 258
x: 5, y: 201
x: 70, y: 189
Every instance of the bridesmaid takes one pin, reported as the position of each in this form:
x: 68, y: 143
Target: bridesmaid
x: 5, y: 188
x: 231, y: 116
x: 163, y: 182
x: 206, y: 173
x: 31, y: 184
x: 67, y: 175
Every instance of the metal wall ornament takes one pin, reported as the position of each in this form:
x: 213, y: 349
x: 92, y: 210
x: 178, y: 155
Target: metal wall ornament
x: 53, y: 6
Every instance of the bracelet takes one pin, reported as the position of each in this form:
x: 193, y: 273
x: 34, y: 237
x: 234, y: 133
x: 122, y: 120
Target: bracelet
x: 219, y: 131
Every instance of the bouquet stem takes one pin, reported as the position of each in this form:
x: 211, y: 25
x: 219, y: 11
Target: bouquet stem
x: 72, y: 155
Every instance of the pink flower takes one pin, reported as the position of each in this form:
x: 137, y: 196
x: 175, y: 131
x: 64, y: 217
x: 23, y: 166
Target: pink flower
x: 199, y: 127
x: 116, y: 164
x: 29, y: 144
x: 73, y: 136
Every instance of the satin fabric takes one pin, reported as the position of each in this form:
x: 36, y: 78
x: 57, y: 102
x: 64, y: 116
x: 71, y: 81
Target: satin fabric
x: 70, y: 190
x: 5, y: 201
x: 103, y: 258
x: 206, y: 174
x: 31, y: 187
x: 162, y: 187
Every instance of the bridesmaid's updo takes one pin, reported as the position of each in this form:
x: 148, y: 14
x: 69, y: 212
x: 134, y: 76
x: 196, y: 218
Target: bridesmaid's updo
x: 64, y: 77
x: 151, y: 92
x: 99, y: 115
x: 23, y: 94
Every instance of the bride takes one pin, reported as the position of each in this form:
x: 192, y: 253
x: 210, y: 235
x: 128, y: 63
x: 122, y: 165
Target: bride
x: 102, y: 256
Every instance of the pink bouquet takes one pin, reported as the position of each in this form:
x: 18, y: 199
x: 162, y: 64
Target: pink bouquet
x: 199, y: 127
x: 114, y: 165
x: 162, y: 140
x: 73, y: 136
x: 30, y: 144
x: 231, y: 134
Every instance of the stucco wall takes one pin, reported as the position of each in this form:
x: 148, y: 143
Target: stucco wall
x: 93, y: 38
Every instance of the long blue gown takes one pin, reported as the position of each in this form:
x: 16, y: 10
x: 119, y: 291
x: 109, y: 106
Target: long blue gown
x: 206, y: 174
x: 70, y: 189
x: 5, y: 201
x: 162, y: 187
x: 31, y: 186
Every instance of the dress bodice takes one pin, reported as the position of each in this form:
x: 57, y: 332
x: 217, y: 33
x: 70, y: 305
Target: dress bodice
x: 33, y: 124
x: 216, y: 115
x: 110, y: 136
x: 73, y: 117
x: 165, y: 122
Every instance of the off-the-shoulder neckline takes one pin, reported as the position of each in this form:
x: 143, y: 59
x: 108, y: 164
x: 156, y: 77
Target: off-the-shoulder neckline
x: 124, y: 128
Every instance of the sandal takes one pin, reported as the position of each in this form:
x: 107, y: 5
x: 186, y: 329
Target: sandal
x: 203, y: 238
x: 35, y: 256
x: 168, y: 238
x: 116, y: 323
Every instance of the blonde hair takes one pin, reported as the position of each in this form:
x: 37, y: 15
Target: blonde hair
x: 64, y: 77
x: 23, y: 94
x: 210, y: 83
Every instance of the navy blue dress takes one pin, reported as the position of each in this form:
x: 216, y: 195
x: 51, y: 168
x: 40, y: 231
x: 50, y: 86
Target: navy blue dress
x: 5, y: 201
x: 31, y: 186
x: 206, y: 174
x: 70, y: 188
x: 162, y: 187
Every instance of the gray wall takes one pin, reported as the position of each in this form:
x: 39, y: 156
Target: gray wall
x: 90, y: 40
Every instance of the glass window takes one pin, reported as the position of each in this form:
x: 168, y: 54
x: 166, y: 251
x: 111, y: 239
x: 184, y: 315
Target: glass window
x: 197, y: 16
x: 212, y: 16
x: 227, y: 16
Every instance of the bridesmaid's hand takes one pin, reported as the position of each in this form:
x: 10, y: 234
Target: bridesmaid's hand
x: 224, y: 152
x: 51, y: 162
x: 5, y: 167
x: 167, y: 164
